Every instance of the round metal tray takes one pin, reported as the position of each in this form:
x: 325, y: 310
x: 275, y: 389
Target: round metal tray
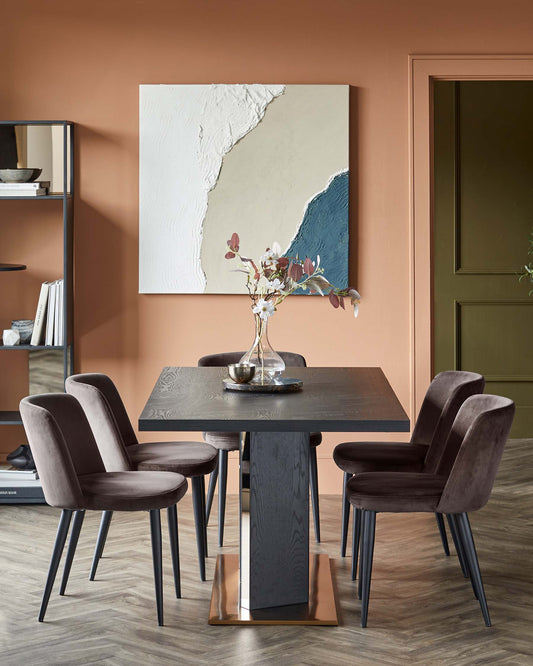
x: 284, y: 385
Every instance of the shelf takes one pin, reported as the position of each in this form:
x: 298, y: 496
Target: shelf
x: 36, y: 122
x: 57, y: 197
x: 10, y: 418
x: 30, y: 347
x: 12, y: 267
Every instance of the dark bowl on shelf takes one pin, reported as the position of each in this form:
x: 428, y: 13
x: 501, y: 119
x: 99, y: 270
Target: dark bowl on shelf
x: 19, y: 175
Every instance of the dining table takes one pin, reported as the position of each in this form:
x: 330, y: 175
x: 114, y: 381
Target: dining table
x: 273, y: 579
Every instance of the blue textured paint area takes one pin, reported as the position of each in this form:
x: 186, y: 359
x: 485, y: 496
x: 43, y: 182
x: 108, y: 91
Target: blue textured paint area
x: 324, y: 231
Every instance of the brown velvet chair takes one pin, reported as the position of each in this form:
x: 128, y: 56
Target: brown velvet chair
x: 229, y: 441
x: 74, y: 479
x: 461, y: 482
x: 121, y: 450
x: 444, y: 397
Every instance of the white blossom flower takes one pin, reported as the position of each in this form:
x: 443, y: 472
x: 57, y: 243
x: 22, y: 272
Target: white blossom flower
x: 275, y: 285
x: 264, y: 309
x: 271, y: 256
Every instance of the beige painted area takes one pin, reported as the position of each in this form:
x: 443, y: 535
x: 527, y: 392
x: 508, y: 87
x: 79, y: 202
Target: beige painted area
x: 268, y: 178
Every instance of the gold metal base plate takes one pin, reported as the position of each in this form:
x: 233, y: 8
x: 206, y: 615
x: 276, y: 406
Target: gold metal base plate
x: 320, y: 610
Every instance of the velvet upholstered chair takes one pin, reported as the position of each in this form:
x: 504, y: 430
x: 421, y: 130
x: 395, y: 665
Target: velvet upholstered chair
x: 444, y: 397
x: 121, y: 450
x: 229, y: 441
x: 460, y: 483
x: 74, y: 479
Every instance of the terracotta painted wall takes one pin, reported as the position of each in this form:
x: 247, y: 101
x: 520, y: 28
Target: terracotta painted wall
x: 85, y: 61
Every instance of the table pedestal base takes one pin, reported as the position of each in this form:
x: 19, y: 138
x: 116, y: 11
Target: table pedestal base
x: 320, y: 610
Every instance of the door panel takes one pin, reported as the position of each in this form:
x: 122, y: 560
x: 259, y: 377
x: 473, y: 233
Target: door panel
x: 483, y: 214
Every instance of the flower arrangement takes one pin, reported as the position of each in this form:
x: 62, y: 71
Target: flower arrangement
x: 269, y: 281
x: 275, y: 277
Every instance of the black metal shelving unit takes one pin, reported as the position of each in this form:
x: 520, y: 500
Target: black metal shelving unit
x: 10, y: 417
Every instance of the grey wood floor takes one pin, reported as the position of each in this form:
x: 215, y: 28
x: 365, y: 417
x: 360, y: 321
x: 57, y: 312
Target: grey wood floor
x: 421, y: 609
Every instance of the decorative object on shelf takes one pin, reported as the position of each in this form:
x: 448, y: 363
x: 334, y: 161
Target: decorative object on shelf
x: 269, y: 281
x: 21, y: 457
x: 241, y: 373
x: 273, y: 155
x: 10, y: 337
x: 25, y: 329
x: 19, y: 175
x: 282, y: 385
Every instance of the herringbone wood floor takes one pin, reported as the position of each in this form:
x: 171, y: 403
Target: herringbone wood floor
x: 421, y: 609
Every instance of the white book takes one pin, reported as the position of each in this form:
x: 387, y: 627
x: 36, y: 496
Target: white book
x: 25, y: 186
x: 18, y: 475
x: 62, y: 315
x: 49, y: 337
x: 57, y: 309
x: 40, y: 315
x: 22, y: 483
x: 14, y: 192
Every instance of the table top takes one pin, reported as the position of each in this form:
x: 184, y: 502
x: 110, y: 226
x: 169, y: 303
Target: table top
x: 332, y: 400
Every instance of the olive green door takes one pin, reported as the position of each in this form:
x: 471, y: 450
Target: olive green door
x: 483, y: 215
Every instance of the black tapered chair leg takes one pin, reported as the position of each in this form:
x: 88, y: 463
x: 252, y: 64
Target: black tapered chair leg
x: 100, y: 542
x: 461, y: 554
x: 61, y: 536
x: 157, y: 557
x: 457, y: 543
x: 345, y: 515
x: 199, y: 520
x: 356, y: 533
x: 465, y: 533
x: 211, y: 493
x: 73, y: 542
x: 202, y: 481
x: 367, y: 555
x: 313, y: 482
x: 442, y: 532
x: 172, y: 518
x: 222, y: 483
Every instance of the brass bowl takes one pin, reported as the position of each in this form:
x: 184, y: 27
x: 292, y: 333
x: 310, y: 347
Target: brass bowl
x: 241, y: 373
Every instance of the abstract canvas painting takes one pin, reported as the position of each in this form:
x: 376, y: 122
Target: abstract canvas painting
x: 269, y: 162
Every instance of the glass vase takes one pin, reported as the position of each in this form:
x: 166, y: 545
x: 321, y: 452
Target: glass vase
x: 268, y: 364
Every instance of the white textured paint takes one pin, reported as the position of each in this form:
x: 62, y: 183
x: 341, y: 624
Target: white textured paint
x: 185, y: 131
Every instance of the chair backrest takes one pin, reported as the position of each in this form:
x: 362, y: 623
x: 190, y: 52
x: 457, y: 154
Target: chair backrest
x: 291, y: 359
x: 444, y: 397
x: 478, y: 436
x: 107, y: 416
x: 62, y: 445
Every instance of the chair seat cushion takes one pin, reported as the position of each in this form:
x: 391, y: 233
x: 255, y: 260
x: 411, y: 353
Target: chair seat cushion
x: 187, y: 458
x: 226, y: 441
x: 395, y: 492
x: 358, y: 457
x: 229, y: 441
x: 132, y: 491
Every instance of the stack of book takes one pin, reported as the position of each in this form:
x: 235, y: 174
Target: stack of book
x: 37, y: 189
x: 48, y: 327
x: 19, y: 486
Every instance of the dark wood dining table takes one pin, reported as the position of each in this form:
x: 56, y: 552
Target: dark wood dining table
x: 273, y: 580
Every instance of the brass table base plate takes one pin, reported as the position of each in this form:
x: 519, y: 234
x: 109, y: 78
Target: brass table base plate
x: 225, y: 609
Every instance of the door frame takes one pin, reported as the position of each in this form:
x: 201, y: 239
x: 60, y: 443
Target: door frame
x: 423, y: 70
